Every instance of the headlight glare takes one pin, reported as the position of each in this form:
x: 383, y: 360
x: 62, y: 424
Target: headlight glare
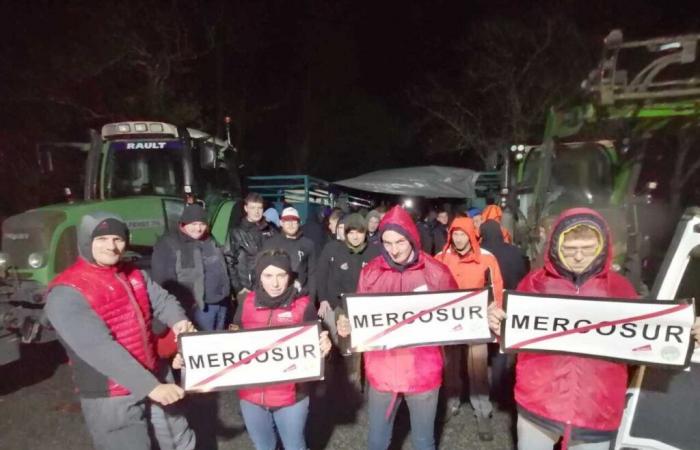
x: 4, y: 260
x: 36, y: 260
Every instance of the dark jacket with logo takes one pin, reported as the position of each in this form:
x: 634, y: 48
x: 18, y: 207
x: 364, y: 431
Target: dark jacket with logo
x: 339, y: 270
x: 193, y: 270
x: 245, y: 242
x: 302, y: 253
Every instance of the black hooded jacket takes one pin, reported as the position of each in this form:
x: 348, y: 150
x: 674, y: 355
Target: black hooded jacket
x: 511, y: 260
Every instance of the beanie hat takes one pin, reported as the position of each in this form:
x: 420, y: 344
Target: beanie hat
x: 355, y: 221
x: 193, y: 213
x: 277, y: 258
x: 109, y: 227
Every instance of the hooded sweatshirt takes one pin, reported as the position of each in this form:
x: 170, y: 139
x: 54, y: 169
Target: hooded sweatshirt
x: 477, y: 267
x: 573, y: 395
x: 412, y: 369
x: 494, y: 212
x: 510, y: 258
x: 103, y: 366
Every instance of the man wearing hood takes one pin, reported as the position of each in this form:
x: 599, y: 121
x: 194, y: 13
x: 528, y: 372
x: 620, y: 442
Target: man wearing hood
x: 301, y: 250
x: 191, y: 266
x: 473, y: 268
x: 245, y: 242
x: 414, y: 373
x: 579, y: 398
x: 102, y: 310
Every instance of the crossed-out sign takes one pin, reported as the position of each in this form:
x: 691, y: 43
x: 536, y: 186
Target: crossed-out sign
x: 386, y: 321
x: 225, y: 360
x: 652, y: 332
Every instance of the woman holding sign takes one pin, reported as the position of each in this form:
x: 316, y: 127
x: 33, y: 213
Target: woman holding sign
x: 578, y: 398
x: 276, y: 302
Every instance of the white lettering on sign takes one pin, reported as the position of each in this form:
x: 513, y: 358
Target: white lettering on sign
x: 652, y: 332
x: 145, y: 223
x: 415, y: 319
x: 236, y: 359
x: 145, y: 145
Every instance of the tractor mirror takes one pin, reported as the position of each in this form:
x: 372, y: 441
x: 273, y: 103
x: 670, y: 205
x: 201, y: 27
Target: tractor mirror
x: 207, y: 155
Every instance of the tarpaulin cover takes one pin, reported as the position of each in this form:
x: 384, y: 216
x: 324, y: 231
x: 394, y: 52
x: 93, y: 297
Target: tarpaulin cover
x: 424, y: 181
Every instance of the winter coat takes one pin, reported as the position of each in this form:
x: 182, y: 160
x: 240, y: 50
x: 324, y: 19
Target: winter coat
x: 473, y: 270
x: 573, y: 391
x: 192, y: 270
x: 123, y: 305
x: 339, y: 270
x: 302, y: 253
x: 245, y: 242
x: 439, y: 237
x: 494, y: 212
x: 253, y: 317
x: 413, y: 369
x: 511, y: 259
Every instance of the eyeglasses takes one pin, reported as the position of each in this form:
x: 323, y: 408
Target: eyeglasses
x: 589, y: 250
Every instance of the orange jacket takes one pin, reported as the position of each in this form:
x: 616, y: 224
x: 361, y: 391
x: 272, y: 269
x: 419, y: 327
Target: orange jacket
x: 470, y: 270
x: 494, y: 212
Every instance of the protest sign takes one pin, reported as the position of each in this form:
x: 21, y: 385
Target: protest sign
x: 225, y: 360
x: 652, y: 332
x: 409, y: 319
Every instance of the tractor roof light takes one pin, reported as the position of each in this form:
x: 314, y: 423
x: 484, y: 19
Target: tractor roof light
x: 142, y: 129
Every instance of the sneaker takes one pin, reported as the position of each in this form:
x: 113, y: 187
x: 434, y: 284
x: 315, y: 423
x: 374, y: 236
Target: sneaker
x: 484, y: 429
x: 453, y: 407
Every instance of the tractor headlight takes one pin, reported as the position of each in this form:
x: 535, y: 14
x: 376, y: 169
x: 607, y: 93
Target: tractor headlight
x: 4, y: 260
x: 36, y: 260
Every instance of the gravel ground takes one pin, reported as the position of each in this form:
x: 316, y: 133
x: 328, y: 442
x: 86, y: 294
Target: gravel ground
x: 39, y: 410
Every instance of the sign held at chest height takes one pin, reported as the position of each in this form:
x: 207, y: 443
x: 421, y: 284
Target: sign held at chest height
x: 652, y: 332
x: 381, y: 322
x: 227, y: 360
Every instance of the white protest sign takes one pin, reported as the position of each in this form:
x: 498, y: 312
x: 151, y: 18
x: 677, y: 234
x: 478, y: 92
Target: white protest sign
x: 225, y: 360
x: 649, y: 332
x: 385, y: 321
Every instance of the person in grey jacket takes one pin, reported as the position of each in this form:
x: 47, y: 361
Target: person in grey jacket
x: 191, y: 266
x: 102, y: 310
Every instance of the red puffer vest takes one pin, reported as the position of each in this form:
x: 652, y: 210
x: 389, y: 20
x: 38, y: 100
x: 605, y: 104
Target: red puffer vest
x: 122, y: 302
x: 413, y: 369
x: 274, y: 395
x: 575, y: 391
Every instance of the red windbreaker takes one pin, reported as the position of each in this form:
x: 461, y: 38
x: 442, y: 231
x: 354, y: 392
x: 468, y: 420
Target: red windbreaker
x: 413, y: 369
x: 575, y: 391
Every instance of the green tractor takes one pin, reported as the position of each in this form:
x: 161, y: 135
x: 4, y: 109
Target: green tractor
x: 592, y: 152
x: 143, y: 171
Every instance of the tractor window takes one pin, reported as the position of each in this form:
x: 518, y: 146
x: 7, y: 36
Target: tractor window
x: 581, y: 176
x: 215, y: 182
x: 689, y: 286
x: 143, y: 172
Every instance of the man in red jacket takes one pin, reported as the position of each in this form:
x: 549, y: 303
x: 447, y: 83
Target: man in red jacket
x: 412, y: 373
x: 579, y: 398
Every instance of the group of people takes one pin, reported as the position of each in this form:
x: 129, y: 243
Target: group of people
x: 109, y: 315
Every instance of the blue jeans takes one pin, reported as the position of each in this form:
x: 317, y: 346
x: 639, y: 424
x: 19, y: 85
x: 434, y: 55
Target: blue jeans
x: 289, y: 421
x: 213, y: 317
x: 421, y: 408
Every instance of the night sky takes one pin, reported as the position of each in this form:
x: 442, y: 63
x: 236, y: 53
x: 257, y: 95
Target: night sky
x: 329, y: 88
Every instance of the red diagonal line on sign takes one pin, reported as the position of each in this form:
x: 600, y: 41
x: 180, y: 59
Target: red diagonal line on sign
x: 595, y: 326
x: 417, y: 315
x: 249, y: 358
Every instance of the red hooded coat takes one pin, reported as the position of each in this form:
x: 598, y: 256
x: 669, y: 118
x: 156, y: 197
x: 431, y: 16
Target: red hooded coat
x: 572, y: 390
x: 413, y: 369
